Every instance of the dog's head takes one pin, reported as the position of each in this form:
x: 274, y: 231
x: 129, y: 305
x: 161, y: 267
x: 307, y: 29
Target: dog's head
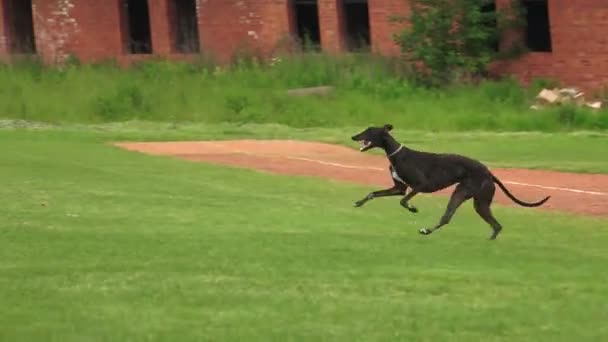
x: 373, y: 137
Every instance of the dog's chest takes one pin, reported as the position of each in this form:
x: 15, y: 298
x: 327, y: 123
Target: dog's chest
x: 395, y: 176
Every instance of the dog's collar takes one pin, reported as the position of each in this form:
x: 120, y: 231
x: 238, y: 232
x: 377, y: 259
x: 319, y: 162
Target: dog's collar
x: 396, y: 151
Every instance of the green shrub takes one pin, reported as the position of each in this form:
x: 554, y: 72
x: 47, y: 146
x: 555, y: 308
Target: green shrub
x: 453, y: 40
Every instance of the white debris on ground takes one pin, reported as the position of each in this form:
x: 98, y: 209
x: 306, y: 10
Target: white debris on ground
x: 552, y: 97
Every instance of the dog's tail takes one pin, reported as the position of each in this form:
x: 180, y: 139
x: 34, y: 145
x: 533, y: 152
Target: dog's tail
x: 515, y: 199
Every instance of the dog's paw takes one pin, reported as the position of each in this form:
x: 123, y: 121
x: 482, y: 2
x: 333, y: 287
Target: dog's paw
x: 359, y: 204
x: 425, y: 231
x: 413, y: 209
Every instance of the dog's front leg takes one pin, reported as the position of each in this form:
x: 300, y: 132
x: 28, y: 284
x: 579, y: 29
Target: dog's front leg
x: 396, y: 190
x: 404, y: 201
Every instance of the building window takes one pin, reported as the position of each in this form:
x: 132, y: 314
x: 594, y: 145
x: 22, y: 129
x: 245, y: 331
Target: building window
x: 137, y: 26
x: 538, y: 32
x: 19, y: 26
x: 184, y: 22
x: 488, y: 10
x: 306, y: 16
x: 356, y: 24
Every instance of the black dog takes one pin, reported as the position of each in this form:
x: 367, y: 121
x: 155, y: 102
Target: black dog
x: 427, y: 172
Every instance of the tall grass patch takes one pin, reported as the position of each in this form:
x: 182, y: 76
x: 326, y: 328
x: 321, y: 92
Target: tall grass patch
x: 368, y: 89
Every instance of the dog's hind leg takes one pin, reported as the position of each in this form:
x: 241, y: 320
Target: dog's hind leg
x: 396, y: 190
x: 459, y: 196
x: 405, y: 201
x: 482, y: 202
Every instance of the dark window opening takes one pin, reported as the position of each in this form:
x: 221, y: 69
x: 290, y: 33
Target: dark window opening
x: 356, y: 21
x: 490, y: 20
x: 19, y: 26
x: 538, y: 32
x: 306, y: 15
x: 184, y: 23
x: 138, y: 35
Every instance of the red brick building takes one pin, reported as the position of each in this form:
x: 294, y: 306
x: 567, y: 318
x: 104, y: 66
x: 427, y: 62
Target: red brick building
x: 565, y: 36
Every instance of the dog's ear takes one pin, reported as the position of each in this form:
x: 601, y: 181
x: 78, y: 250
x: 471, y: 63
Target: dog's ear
x: 388, y: 127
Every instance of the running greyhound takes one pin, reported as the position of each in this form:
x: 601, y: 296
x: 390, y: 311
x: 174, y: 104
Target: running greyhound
x: 426, y: 172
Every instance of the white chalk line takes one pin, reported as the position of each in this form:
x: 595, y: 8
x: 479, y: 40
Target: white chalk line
x: 595, y: 193
x: 344, y: 166
x: 355, y: 167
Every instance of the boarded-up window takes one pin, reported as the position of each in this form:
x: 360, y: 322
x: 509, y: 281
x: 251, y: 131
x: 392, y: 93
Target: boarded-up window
x: 184, y: 26
x: 19, y: 26
x: 136, y: 28
x: 356, y: 24
x: 488, y: 10
x: 538, y: 31
x: 306, y: 16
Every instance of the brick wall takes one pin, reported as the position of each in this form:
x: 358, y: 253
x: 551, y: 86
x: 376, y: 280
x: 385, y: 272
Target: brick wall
x: 92, y: 30
x: 382, y: 29
x: 55, y: 28
x: 230, y: 26
x: 330, y: 22
x: 579, y: 54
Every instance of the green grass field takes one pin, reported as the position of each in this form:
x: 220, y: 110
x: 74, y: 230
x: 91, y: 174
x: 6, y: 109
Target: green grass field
x: 102, y: 244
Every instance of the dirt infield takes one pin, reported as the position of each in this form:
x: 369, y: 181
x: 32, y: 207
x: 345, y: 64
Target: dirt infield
x: 573, y: 193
